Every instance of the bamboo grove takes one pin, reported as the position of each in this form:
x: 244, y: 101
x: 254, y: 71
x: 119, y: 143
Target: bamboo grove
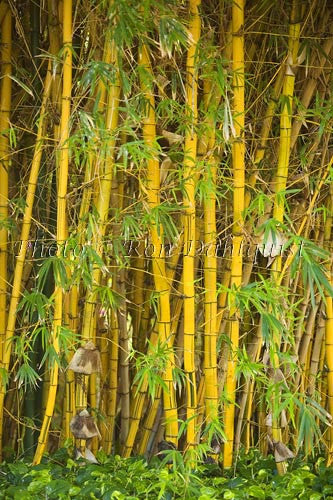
x: 166, y: 208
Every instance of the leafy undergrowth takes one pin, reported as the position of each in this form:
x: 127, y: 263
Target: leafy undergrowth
x: 59, y: 477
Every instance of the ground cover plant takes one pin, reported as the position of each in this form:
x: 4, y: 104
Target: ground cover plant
x: 166, y: 239
x: 254, y: 477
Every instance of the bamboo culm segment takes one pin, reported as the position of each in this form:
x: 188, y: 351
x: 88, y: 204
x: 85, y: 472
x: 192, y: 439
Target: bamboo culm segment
x: 158, y: 260
x: 238, y: 163
x: 63, y: 163
x: 281, y: 180
x: 5, y: 105
x: 26, y: 225
x: 329, y: 324
x: 189, y: 222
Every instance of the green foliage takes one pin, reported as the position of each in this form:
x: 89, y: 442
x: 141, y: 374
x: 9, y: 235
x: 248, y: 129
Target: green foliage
x: 265, y: 299
x: 34, y: 305
x: 150, y: 367
x: 310, y: 257
x: 173, y: 35
x: 161, y: 217
x: 255, y: 477
x: 128, y: 24
x: 96, y: 71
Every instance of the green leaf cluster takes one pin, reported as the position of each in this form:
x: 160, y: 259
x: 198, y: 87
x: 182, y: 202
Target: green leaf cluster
x: 255, y: 477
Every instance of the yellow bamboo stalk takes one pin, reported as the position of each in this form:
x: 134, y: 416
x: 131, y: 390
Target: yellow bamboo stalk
x: 3, y: 10
x: 111, y: 400
x: 222, y: 298
x: 238, y: 153
x: 281, y: 179
x: 137, y: 408
x: 102, y: 208
x: 54, y: 37
x: 162, y: 285
x: 124, y: 383
x: 149, y: 422
x: 24, y: 238
x: 5, y: 106
x: 209, y: 394
x: 61, y: 217
x: 305, y: 349
x: 138, y: 292
x: 318, y: 60
x: 316, y: 351
x: 104, y: 338
x: 89, y: 315
x: 329, y: 327
x: 285, y: 123
x: 294, y: 247
x: 190, y: 151
x: 264, y: 134
x: 210, y: 300
x: 139, y: 399
x: 144, y: 320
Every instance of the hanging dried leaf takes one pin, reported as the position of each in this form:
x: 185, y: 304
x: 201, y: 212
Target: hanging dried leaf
x: 301, y: 58
x: 281, y: 452
x: 271, y: 244
x: 228, y: 123
x: 284, y: 421
x: 226, y: 134
x: 215, y: 445
x: 266, y: 359
x: 275, y: 374
x: 83, y: 426
x: 88, y: 455
x: 86, y: 360
x: 171, y: 137
x: 164, y: 169
x: 269, y: 420
x: 290, y: 66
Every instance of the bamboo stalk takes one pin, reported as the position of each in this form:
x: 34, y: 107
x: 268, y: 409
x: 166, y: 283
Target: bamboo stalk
x: 315, y: 355
x: 238, y: 153
x: 3, y: 10
x: 111, y: 400
x: 61, y: 218
x: 281, y: 182
x: 137, y: 407
x: 102, y: 196
x: 329, y: 326
x: 124, y: 385
x: 149, y: 423
x: 210, y: 267
x: 162, y: 285
x: 189, y: 223
x: 24, y: 238
x: 5, y: 107
x: 294, y: 247
x: 89, y: 316
x: 285, y: 122
x: 311, y: 85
